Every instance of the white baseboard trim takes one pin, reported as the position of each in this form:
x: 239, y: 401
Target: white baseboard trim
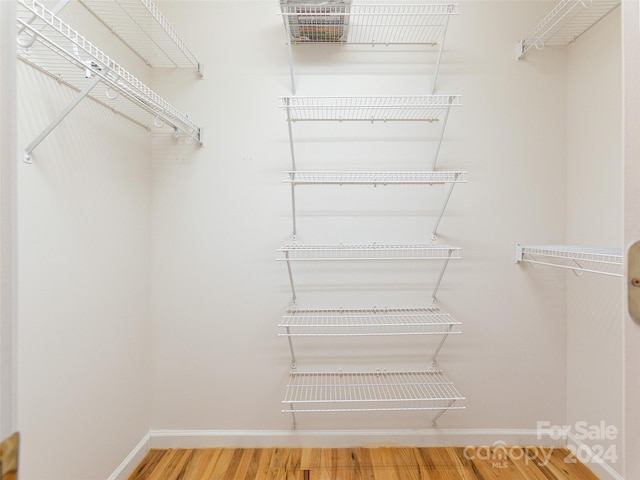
x: 347, y: 438
x: 132, y: 460
x: 589, y: 457
x: 362, y: 438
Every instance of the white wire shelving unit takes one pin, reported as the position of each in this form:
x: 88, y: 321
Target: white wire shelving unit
x: 371, y: 391
x: 579, y: 259
x: 51, y: 46
x: 371, y: 322
x: 294, y: 252
x: 374, y: 178
x: 565, y: 23
x: 366, y: 24
x: 141, y: 26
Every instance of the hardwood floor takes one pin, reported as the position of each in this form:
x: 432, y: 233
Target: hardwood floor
x: 393, y: 463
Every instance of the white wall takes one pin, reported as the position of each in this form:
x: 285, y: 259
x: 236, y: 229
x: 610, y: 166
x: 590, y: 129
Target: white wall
x: 8, y: 323
x: 594, y: 217
x: 220, y: 213
x: 83, y: 392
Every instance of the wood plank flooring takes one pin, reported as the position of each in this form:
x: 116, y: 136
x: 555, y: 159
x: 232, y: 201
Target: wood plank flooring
x: 388, y: 463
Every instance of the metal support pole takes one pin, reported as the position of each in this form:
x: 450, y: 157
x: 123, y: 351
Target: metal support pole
x: 293, y: 152
x: 293, y: 210
x: 294, y: 363
x: 444, y: 125
x: 439, y: 414
x: 294, y: 423
x: 444, y: 206
x: 441, y: 47
x: 444, y: 267
x: 287, y: 28
x: 293, y: 288
x: 59, y: 118
x: 439, y: 347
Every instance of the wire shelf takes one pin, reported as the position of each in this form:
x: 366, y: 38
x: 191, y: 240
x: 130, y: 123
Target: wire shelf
x: 373, y: 178
x: 299, y: 252
x: 606, y: 261
x: 141, y: 26
x: 429, y: 108
x: 565, y: 23
x: 370, y: 24
x: 364, y: 392
x: 77, y: 61
x: 373, y: 322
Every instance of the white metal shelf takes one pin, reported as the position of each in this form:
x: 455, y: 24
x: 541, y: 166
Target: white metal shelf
x: 333, y: 22
x: 371, y: 391
x: 61, y: 52
x: 299, y: 252
x: 390, y: 108
x: 424, y: 108
x: 373, y: 178
x: 565, y: 23
x: 368, y: 24
x: 141, y: 26
x: 372, y: 322
x: 606, y: 261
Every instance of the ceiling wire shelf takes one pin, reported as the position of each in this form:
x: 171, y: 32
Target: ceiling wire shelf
x: 141, y: 26
x: 373, y: 178
x: 299, y: 252
x: 606, y: 261
x: 371, y: 391
x: 373, y: 322
x: 429, y: 108
x: 52, y: 46
x: 565, y: 23
x: 369, y: 24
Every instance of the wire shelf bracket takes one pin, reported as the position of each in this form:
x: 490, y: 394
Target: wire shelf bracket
x: 81, y: 65
x: 297, y: 252
x: 296, y: 178
x: 565, y: 23
x: 428, y: 390
x: 370, y: 322
x: 579, y: 259
x: 340, y: 22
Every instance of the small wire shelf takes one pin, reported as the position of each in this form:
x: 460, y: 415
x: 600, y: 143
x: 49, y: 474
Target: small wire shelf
x: 370, y: 24
x: 53, y: 47
x: 373, y: 178
x: 141, y: 26
x: 298, y: 252
x: 373, y: 322
x: 429, y: 108
x: 606, y: 261
x: 365, y: 392
x: 565, y: 23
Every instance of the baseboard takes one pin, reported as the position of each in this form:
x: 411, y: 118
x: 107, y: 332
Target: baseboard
x: 347, y: 438
x: 587, y: 456
x: 365, y: 438
x: 132, y: 460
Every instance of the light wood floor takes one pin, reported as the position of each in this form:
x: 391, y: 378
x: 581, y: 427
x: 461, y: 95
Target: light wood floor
x: 450, y: 463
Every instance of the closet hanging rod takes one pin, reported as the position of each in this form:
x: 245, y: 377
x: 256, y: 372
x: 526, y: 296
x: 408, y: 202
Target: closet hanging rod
x: 87, y: 61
